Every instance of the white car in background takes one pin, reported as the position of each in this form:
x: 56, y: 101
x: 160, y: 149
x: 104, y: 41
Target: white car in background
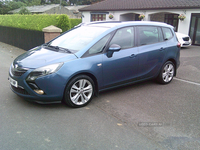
x: 184, y: 39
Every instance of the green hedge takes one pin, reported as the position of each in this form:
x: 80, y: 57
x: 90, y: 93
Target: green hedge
x: 35, y: 22
x: 75, y: 22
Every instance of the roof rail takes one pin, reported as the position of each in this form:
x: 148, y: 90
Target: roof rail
x: 97, y: 22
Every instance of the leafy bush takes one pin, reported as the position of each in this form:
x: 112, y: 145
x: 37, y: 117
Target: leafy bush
x: 36, y: 22
x: 75, y: 22
x: 63, y: 23
x: 15, y: 4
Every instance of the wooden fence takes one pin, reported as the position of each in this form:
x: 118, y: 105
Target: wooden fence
x: 25, y: 39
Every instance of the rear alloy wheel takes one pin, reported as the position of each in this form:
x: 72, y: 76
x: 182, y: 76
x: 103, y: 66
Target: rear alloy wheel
x: 167, y: 73
x: 79, y: 91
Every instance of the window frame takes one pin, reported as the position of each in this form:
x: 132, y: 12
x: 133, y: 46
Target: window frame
x: 98, y: 13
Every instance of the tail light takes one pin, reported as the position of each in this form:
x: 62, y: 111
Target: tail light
x: 179, y: 45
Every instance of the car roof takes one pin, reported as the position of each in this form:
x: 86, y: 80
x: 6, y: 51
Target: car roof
x: 110, y: 24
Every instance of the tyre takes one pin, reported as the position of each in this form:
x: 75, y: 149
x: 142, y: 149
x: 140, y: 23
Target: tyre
x: 167, y: 73
x: 79, y: 91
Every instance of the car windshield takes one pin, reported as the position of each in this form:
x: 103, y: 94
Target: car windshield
x: 78, y: 38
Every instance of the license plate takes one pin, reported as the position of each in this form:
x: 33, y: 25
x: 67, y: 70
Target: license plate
x: 187, y: 43
x: 13, y: 82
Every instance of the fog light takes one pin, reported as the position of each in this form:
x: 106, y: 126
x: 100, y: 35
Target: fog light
x: 39, y: 92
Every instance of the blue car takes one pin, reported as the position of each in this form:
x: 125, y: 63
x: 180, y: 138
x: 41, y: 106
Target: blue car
x: 93, y: 57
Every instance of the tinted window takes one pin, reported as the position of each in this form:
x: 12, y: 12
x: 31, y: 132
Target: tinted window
x: 124, y: 38
x: 167, y: 33
x: 149, y: 35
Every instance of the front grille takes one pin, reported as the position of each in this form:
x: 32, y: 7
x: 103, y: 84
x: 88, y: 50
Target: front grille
x: 20, y: 90
x: 186, y: 39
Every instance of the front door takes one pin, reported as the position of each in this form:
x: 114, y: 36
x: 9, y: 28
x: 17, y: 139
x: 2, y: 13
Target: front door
x: 122, y: 66
x: 195, y: 29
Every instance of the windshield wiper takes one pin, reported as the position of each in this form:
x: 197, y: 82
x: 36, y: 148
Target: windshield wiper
x: 59, y: 48
x: 54, y: 47
x: 65, y: 49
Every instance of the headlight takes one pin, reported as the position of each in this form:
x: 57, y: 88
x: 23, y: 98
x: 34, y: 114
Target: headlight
x: 43, y: 71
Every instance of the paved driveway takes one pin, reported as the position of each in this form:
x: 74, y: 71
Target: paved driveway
x: 144, y: 116
x: 190, y: 64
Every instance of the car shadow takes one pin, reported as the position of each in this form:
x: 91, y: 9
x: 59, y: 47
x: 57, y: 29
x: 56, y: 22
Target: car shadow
x: 123, y: 89
x: 28, y: 103
x: 185, y: 48
x: 103, y: 94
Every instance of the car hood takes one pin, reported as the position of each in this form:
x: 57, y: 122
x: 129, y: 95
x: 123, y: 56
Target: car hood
x: 40, y: 56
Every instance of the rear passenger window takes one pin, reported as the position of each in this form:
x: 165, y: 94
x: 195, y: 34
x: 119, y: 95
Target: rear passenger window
x: 167, y: 33
x: 149, y: 35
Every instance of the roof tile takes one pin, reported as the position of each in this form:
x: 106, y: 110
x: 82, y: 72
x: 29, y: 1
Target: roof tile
x: 108, y: 5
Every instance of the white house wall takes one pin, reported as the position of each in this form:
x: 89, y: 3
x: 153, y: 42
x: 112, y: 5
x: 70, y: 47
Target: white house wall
x: 183, y: 26
x: 86, y: 17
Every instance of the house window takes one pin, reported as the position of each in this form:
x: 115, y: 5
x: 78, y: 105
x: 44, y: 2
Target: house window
x: 172, y: 19
x: 137, y: 17
x: 98, y: 17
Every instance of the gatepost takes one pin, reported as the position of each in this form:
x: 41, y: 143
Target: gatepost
x: 51, y: 32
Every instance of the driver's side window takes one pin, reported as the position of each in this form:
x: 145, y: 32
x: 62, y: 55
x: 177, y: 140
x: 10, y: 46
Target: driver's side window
x: 124, y: 38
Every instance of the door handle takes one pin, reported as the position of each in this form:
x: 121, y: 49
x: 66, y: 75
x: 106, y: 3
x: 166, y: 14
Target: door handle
x: 161, y: 49
x: 133, y: 56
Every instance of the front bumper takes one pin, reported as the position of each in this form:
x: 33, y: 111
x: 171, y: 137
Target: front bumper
x: 53, y: 86
x: 185, y: 43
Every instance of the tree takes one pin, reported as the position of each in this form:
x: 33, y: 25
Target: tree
x: 72, y: 2
x: 89, y: 2
x: 3, y: 8
x: 15, y: 5
x: 86, y: 2
x: 35, y: 2
x: 7, y: 5
x: 55, y: 1
x: 24, y: 11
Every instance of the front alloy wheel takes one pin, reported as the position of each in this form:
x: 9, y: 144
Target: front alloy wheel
x: 167, y: 73
x: 79, y: 91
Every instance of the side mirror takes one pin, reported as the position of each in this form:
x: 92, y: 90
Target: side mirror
x: 113, y: 48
